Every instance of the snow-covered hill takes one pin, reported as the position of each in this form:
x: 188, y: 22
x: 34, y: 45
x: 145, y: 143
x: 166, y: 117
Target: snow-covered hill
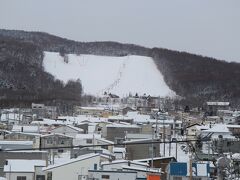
x: 117, y: 75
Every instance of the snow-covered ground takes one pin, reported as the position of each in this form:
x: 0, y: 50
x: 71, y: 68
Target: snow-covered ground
x: 117, y: 75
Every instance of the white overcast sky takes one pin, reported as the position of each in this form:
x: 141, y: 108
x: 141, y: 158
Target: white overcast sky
x: 206, y: 27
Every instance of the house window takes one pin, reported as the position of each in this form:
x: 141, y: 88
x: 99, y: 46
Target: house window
x: 105, y: 177
x: 197, y: 178
x: 40, y: 177
x: 21, y: 178
x: 89, y: 141
x: 95, y: 166
x: 49, y: 141
x: 60, y: 150
x: 49, y: 176
x: 177, y: 178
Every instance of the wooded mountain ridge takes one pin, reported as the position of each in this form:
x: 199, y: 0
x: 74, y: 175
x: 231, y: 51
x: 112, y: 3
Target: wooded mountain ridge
x: 194, y: 77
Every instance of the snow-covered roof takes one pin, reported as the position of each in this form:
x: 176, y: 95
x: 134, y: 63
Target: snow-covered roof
x: 104, y: 140
x: 123, y: 161
x: 121, y: 125
x: 140, y: 140
x: 218, y: 128
x: 88, y: 136
x: 25, y: 128
x: 16, y: 142
x: 141, y: 169
x: 119, y: 149
x: 72, y: 127
x: 233, y: 126
x: 218, y: 103
x: 56, y: 134
x: 23, y: 165
x: 93, y: 108
x: 79, y: 158
x: 26, y: 133
x: 50, y: 122
x: 138, y: 136
x: 155, y: 158
x: 82, y: 118
x: 236, y: 156
x: 119, y: 117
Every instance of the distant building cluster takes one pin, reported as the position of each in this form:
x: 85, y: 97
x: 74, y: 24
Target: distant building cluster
x: 135, y: 138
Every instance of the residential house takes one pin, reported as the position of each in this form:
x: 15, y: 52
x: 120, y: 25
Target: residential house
x: 38, y: 110
x: 120, y: 169
x: 90, y: 111
x: 68, y: 130
x: 182, y: 171
x: 119, y: 152
x: 56, y: 140
x: 213, y: 107
x: 33, y: 155
x: 116, y: 132
x: 22, y: 169
x: 120, y: 118
x: 159, y: 162
x: 141, y: 149
x: 86, y: 139
x: 74, y: 169
x: 16, y: 136
x: 216, y: 130
x: 26, y: 128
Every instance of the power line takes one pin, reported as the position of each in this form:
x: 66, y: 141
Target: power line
x: 102, y: 145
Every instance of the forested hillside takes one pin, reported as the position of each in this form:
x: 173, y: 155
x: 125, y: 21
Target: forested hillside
x: 22, y: 79
x: 194, y: 77
x: 198, y: 77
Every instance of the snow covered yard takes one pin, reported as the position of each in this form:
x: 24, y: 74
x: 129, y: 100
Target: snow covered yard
x: 117, y: 75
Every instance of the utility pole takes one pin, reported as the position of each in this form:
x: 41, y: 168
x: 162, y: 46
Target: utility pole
x: 190, y: 167
x: 176, y: 150
x: 152, y: 148
x: 164, y: 137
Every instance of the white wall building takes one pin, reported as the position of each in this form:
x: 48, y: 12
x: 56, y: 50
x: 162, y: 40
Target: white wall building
x: 68, y: 130
x: 74, y: 169
x: 16, y: 169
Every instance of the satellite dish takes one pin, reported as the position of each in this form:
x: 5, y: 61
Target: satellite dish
x: 223, y: 162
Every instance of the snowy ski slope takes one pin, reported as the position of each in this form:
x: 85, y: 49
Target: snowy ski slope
x: 117, y: 75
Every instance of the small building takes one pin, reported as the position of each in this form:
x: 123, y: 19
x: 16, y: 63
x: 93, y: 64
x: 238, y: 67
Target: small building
x: 39, y: 110
x: 26, y: 128
x: 56, y: 140
x: 119, y: 152
x: 68, y: 130
x: 120, y: 118
x: 22, y: 169
x: 74, y: 169
x: 120, y: 169
x: 159, y: 162
x: 183, y: 171
x: 16, y: 136
x: 213, y: 107
x: 141, y: 149
x: 116, y: 132
x: 30, y: 155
